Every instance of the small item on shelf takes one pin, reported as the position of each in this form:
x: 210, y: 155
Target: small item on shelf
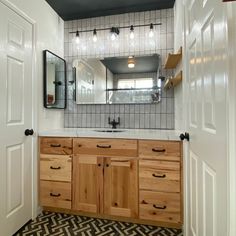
x: 173, y: 81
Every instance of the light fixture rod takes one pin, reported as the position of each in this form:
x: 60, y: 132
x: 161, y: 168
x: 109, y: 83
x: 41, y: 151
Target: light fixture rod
x: 119, y: 27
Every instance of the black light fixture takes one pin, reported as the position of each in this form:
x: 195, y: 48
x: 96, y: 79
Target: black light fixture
x: 114, y: 32
x: 131, y: 32
x: 95, y: 37
x: 77, y: 39
x: 151, y: 32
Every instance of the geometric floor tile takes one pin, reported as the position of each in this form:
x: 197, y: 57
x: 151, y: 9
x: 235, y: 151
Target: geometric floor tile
x: 59, y: 224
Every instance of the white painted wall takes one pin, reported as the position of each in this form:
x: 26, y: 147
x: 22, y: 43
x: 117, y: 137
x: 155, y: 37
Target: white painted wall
x: 178, y: 42
x: 49, y: 35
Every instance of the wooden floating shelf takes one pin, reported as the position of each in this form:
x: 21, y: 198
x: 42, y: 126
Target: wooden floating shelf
x: 173, y: 59
x: 172, y: 82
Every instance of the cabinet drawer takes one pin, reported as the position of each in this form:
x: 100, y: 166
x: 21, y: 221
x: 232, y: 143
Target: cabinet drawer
x: 55, y: 167
x: 114, y: 147
x: 160, y: 150
x: 61, y: 146
x: 160, y: 206
x: 159, y: 176
x: 55, y: 194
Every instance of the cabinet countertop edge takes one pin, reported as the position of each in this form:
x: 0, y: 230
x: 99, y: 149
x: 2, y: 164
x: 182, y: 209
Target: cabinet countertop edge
x: 149, y: 134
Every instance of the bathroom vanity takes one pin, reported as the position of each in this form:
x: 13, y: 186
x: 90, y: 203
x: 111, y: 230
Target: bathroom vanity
x: 134, y: 175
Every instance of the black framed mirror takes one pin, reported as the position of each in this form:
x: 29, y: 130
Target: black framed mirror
x: 54, y: 81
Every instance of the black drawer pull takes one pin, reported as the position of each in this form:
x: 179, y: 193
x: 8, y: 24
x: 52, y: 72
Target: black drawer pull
x: 103, y: 146
x: 55, y: 195
x: 55, y: 168
x: 55, y: 145
x: 158, y: 150
x: 159, y: 207
x: 159, y: 176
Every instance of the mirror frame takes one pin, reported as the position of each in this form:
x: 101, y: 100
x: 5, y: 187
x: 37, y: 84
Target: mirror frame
x: 45, y: 80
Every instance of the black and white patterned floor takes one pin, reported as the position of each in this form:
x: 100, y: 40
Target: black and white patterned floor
x: 53, y: 224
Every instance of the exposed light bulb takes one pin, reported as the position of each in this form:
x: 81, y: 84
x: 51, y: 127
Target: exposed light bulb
x: 95, y: 38
x: 131, y: 32
x: 113, y: 36
x: 77, y: 38
x: 131, y: 65
x: 114, y: 33
x: 151, y: 32
x: 131, y: 62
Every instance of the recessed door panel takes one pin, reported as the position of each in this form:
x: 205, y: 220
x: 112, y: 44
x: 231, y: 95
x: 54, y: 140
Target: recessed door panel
x: 15, y: 178
x: 194, y: 193
x: 15, y: 91
x: 15, y: 35
x: 193, y: 83
x: 208, y: 56
x: 209, y: 201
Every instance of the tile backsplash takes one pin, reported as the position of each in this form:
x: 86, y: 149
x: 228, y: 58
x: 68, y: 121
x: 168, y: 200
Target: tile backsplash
x: 142, y: 116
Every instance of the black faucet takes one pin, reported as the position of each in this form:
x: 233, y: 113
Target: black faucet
x: 114, y: 123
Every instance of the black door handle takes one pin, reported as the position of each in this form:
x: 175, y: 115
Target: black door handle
x: 184, y: 136
x: 29, y: 132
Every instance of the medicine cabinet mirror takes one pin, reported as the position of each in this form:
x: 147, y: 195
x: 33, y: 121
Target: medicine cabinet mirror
x: 54, y: 81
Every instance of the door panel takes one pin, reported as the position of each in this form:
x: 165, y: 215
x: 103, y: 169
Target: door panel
x: 15, y: 182
x: 88, y: 183
x: 206, y: 82
x: 16, y: 116
x: 121, y: 187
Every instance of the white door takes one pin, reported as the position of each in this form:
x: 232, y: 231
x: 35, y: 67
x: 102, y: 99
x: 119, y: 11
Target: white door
x: 206, y: 78
x: 15, y: 118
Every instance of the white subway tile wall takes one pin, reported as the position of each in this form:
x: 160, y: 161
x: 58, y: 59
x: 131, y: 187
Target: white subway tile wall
x: 139, y: 116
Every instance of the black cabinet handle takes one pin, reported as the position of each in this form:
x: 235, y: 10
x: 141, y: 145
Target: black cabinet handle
x: 55, y: 145
x: 29, y: 132
x: 158, y: 150
x: 55, y: 168
x: 159, y: 207
x: 158, y: 176
x: 107, y: 165
x: 103, y: 146
x: 55, y: 195
x: 99, y: 164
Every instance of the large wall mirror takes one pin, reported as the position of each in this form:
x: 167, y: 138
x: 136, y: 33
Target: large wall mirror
x: 54, y: 81
x: 117, y: 80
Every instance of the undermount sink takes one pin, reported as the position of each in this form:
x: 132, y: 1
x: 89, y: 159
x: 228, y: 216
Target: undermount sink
x: 109, y: 131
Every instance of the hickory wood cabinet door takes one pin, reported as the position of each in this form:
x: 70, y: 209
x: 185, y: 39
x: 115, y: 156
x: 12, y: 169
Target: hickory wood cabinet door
x: 105, y: 185
x: 87, y: 183
x: 121, y: 187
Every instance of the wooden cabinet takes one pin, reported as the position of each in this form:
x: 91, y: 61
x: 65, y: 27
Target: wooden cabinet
x: 55, y: 172
x: 160, y: 150
x: 140, y: 180
x: 105, y: 185
x: 87, y: 183
x: 160, y: 181
x: 121, y: 187
x: 114, y: 147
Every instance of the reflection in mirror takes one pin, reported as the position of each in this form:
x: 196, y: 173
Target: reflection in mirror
x: 54, y: 81
x: 90, y: 81
x: 118, y: 80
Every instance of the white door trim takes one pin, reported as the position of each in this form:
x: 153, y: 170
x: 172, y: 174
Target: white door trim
x: 231, y: 114
x: 34, y: 106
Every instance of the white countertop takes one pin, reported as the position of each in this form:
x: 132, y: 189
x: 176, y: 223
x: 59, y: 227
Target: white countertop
x: 153, y: 134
